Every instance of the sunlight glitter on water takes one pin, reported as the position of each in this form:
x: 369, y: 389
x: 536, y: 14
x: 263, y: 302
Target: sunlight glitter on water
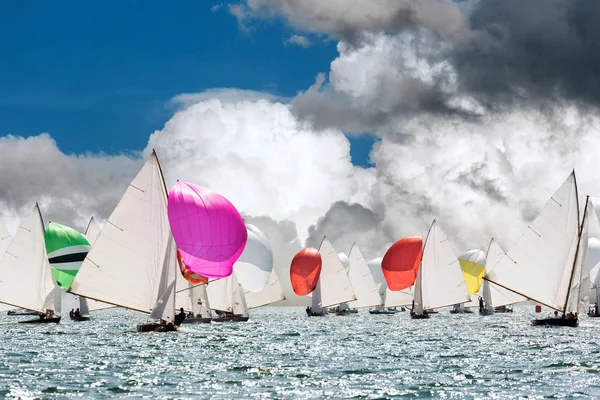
x: 281, y: 353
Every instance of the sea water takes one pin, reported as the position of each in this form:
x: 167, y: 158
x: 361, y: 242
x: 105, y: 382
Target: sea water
x: 281, y: 353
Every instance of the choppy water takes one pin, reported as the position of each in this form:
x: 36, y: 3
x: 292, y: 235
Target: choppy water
x: 280, y: 353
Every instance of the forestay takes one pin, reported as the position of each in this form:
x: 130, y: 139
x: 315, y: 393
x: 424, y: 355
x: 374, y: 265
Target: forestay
x: 334, y: 282
x: 25, y: 277
x: 440, y: 281
x: 539, y: 265
x: 132, y: 263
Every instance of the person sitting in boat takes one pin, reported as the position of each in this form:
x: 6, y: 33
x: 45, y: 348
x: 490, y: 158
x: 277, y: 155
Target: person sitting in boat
x: 570, y: 315
x: 308, y: 310
x: 72, y: 313
x: 179, y: 318
x: 555, y: 316
x: 77, y: 313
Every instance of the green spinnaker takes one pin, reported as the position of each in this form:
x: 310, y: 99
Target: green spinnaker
x: 66, y: 249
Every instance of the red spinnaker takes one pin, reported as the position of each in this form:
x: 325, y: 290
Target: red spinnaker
x: 305, y: 271
x: 400, y: 263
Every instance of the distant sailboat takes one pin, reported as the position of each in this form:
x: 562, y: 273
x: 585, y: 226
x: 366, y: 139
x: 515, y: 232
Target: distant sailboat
x: 26, y: 280
x: 194, y: 300
x: 133, y: 261
x: 549, y: 262
x: 495, y: 298
x: 440, y: 281
x: 226, y: 295
x: 363, y: 283
x: 334, y: 286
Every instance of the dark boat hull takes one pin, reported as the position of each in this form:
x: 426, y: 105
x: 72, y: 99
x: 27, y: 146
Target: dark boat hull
x: 419, y: 316
x: 508, y: 310
x: 382, y: 312
x: 461, y: 312
x: 347, y: 312
x: 316, y: 314
x: 571, y: 322
x: 156, y: 327
x: 235, y: 318
x: 81, y: 318
x: 54, y: 320
x: 15, y: 313
x: 197, y: 320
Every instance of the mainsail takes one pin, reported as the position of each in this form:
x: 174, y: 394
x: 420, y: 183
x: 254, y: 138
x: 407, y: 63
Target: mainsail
x: 335, y: 285
x: 25, y: 277
x: 542, y: 263
x: 440, y: 281
x: 133, y: 261
x: 494, y: 295
x: 365, y: 287
x: 253, y: 268
x: 270, y: 294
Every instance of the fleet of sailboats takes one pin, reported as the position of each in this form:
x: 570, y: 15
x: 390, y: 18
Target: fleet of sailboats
x: 133, y: 263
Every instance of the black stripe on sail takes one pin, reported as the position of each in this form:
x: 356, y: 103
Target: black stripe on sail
x: 67, y: 258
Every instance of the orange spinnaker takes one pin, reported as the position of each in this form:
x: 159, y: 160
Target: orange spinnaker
x: 189, y: 276
x: 305, y: 271
x: 400, y: 263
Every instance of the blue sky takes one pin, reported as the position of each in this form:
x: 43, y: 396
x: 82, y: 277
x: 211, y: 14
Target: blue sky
x: 98, y: 75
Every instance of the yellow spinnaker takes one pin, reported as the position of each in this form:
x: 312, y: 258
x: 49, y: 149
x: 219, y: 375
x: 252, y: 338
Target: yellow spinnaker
x: 472, y: 264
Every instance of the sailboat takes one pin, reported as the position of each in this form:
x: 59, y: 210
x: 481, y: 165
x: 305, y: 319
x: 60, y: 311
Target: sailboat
x: 133, y: 261
x: 334, y: 286
x: 365, y: 287
x: 594, y: 259
x: 494, y: 298
x: 344, y: 308
x: 440, y: 281
x: 388, y: 299
x: 194, y: 300
x: 548, y: 264
x: 226, y: 296
x: 26, y: 280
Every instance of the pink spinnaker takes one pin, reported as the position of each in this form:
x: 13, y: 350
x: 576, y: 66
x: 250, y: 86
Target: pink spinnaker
x: 208, y: 230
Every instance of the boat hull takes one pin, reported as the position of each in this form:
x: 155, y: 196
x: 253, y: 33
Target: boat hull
x: 316, y: 314
x: 419, y: 316
x: 571, y: 322
x: 461, y: 312
x: 346, y: 312
x: 156, y: 327
x: 382, y: 312
x: 197, y: 320
x: 80, y: 318
x: 15, y: 313
x: 235, y: 318
x: 54, y: 320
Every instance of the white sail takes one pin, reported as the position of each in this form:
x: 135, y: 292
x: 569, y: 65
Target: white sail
x: 377, y: 274
x: 227, y: 295
x: 272, y: 293
x: 335, y: 284
x: 199, y: 300
x: 398, y: 298
x: 578, y: 299
x: 25, y: 277
x: 239, y: 300
x: 5, y: 239
x: 497, y: 296
x: 440, y: 281
x: 133, y: 262
x: 316, y: 299
x: 92, y: 231
x: 253, y: 268
x: 220, y: 294
x: 539, y: 265
x: 365, y: 287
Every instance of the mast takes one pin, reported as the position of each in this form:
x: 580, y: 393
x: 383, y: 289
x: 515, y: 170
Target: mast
x: 587, y: 198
